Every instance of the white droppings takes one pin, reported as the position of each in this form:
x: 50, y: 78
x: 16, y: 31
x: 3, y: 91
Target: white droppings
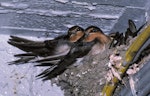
x: 94, y: 62
x: 84, y: 72
x: 89, y: 69
x: 76, y: 89
x: 66, y: 75
x: 71, y: 73
x: 134, y: 69
x: 78, y: 75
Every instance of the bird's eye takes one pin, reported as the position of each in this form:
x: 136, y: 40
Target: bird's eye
x: 94, y: 30
x: 78, y: 29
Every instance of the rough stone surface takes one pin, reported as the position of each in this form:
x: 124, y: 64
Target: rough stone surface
x: 87, y: 78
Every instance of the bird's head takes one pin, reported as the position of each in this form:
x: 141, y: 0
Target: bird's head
x: 94, y: 33
x: 75, y: 33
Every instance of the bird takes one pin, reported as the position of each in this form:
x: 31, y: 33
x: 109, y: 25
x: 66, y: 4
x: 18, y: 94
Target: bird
x: 57, y: 46
x: 93, y: 38
x: 95, y: 49
x: 123, y: 38
x: 95, y: 33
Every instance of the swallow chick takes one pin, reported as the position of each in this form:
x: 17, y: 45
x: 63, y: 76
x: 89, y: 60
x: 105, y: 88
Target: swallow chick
x: 93, y: 36
x: 58, y: 46
x: 89, y: 36
x: 94, y: 33
x: 123, y: 38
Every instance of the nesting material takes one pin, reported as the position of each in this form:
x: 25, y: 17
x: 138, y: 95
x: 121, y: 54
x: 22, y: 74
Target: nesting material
x: 93, y: 72
x: 88, y: 78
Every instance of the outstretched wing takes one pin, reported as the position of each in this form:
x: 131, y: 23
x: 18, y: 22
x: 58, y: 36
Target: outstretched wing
x: 76, y: 52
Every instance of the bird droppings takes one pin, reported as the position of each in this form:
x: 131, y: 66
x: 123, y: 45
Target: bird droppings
x: 71, y: 73
x: 84, y: 72
x: 78, y: 75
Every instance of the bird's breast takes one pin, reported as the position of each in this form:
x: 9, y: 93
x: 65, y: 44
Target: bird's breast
x: 63, y: 48
x: 97, y: 49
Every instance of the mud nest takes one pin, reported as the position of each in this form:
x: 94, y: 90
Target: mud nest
x: 86, y: 77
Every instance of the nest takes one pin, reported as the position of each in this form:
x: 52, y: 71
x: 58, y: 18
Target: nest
x: 88, y: 77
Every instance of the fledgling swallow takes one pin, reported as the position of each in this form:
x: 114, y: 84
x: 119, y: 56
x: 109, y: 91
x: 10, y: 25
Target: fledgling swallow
x: 131, y: 30
x: 117, y: 39
x: 90, y: 34
x: 58, y: 46
x: 122, y: 38
x: 94, y: 33
x: 93, y: 37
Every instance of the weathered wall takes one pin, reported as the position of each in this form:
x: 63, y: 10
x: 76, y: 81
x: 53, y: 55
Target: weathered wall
x: 36, y: 17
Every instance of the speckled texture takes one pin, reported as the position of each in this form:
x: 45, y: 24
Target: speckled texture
x: 87, y: 78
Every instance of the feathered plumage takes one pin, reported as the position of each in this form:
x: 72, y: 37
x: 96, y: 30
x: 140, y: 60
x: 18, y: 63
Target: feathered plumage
x: 58, y: 46
x: 93, y: 35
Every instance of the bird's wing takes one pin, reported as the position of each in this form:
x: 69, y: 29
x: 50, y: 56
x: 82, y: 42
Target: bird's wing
x: 38, y: 48
x: 57, y: 69
x: 24, y: 55
x: 53, y: 57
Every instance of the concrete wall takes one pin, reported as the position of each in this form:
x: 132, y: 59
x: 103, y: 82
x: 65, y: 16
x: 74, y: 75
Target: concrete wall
x: 33, y: 18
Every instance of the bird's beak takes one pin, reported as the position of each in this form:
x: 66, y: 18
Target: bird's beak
x: 85, y: 36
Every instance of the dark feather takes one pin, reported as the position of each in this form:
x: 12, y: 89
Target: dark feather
x: 77, y: 51
x: 21, y: 60
x: 50, y: 58
x: 45, y: 64
x: 19, y: 39
x: 34, y: 48
x: 24, y: 55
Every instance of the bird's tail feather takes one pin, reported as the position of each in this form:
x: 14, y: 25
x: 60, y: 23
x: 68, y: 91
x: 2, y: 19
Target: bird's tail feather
x: 46, y: 64
x: 24, y: 55
x: 35, y: 47
x: 19, y: 39
x: 50, y: 58
x: 22, y: 60
x: 27, y: 44
x: 56, y: 70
